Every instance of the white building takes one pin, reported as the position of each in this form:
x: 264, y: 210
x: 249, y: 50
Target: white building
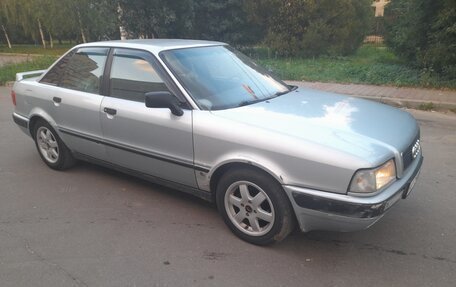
x: 380, y: 7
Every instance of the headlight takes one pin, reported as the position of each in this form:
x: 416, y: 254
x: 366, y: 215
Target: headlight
x: 372, y: 180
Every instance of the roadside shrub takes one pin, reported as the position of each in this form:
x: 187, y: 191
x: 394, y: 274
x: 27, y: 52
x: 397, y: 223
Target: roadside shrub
x: 310, y: 28
x: 424, y: 33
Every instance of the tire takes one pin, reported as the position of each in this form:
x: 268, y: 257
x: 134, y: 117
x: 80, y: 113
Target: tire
x: 254, y: 206
x: 50, y: 147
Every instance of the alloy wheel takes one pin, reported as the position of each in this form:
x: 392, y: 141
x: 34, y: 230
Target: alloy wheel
x: 249, y: 208
x: 47, y: 144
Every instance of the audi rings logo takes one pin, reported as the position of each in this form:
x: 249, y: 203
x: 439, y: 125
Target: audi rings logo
x: 416, y: 149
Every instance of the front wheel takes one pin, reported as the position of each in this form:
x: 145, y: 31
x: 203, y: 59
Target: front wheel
x: 254, y: 206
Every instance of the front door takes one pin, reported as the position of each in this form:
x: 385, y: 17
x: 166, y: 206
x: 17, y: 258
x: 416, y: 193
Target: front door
x: 150, y: 140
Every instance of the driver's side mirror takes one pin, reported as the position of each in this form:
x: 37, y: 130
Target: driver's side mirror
x: 164, y: 100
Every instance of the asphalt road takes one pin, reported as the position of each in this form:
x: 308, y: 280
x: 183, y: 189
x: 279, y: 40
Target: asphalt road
x: 90, y: 226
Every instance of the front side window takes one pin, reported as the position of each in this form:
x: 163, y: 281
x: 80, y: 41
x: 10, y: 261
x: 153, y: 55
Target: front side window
x: 132, y: 75
x: 85, y: 69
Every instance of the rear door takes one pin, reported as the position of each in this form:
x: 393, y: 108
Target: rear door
x: 75, y: 91
x: 150, y: 140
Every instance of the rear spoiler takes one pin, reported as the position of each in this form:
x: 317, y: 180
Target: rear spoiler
x: 21, y: 76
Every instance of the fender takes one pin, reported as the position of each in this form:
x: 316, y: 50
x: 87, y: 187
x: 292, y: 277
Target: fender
x: 204, y: 178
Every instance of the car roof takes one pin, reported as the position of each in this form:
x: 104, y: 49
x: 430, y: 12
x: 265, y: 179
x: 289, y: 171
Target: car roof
x: 153, y: 45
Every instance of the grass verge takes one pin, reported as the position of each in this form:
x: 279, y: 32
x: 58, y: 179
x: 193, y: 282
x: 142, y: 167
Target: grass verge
x: 8, y: 72
x: 426, y: 107
x: 370, y: 65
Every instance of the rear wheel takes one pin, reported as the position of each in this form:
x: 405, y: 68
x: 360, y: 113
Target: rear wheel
x: 254, y: 206
x: 51, y: 148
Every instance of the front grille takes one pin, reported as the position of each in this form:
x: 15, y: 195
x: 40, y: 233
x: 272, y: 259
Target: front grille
x: 407, y: 154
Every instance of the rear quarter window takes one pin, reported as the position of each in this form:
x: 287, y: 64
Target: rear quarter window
x: 54, y: 75
x: 84, y: 70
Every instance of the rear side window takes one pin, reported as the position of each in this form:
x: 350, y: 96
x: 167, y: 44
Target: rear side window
x: 133, y: 75
x: 84, y: 70
x: 54, y: 75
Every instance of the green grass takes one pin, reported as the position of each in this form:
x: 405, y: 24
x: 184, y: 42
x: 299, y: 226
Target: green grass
x: 8, y: 72
x: 370, y: 65
x: 426, y: 107
x: 36, y: 49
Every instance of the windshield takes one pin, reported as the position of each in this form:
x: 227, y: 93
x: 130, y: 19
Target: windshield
x: 219, y: 77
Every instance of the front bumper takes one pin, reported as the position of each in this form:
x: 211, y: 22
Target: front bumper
x: 319, y: 210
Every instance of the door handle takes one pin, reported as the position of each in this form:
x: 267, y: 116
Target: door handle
x: 110, y: 111
x: 57, y: 100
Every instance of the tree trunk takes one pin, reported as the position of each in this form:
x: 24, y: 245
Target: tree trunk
x: 123, y: 32
x: 6, y: 36
x: 81, y: 29
x: 43, y: 41
x: 83, y: 36
x: 51, y: 41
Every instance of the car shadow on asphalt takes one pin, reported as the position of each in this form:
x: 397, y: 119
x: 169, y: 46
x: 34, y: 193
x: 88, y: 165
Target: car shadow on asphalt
x: 309, y: 245
x: 144, y: 184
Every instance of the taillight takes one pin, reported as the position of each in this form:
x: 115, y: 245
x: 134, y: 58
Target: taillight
x: 13, y: 97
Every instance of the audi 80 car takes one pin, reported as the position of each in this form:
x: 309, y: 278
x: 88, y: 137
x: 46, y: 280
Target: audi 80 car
x: 203, y: 118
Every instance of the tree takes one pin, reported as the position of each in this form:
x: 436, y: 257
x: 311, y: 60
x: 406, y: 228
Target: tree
x: 226, y: 21
x: 90, y: 19
x: 3, y: 24
x: 424, y: 33
x: 157, y: 18
x: 314, y: 27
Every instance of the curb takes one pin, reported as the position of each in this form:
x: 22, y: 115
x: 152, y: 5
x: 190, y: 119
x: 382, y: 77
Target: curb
x: 411, y: 104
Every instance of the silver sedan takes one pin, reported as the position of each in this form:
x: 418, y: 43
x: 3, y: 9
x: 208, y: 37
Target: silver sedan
x: 203, y: 118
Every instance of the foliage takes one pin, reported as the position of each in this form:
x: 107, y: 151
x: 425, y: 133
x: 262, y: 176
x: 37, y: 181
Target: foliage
x: 313, y: 27
x: 156, y: 18
x: 304, y: 27
x: 8, y: 72
x: 424, y: 33
x: 205, y: 19
x: 62, y: 19
x: 225, y: 21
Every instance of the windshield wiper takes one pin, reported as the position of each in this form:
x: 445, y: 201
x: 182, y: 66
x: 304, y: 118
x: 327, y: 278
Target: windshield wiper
x: 292, y: 88
x: 245, y: 103
x: 278, y: 94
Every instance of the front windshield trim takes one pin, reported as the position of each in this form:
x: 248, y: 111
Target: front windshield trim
x: 238, y: 57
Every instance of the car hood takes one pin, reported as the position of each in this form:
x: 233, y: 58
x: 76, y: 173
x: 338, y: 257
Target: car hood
x: 355, y: 126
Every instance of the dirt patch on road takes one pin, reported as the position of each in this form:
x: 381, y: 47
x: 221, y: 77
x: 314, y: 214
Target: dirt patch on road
x: 6, y: 59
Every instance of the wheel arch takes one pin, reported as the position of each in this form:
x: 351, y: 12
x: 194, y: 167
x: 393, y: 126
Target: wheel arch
x: 217, y: 172
x: 38, y: 114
